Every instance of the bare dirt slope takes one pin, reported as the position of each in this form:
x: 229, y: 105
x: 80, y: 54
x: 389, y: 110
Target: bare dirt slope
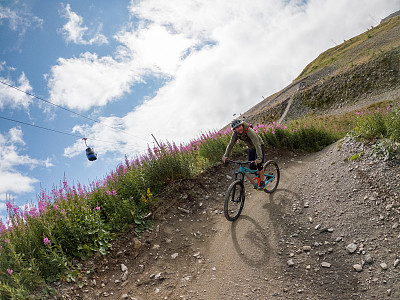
x: 330, y: 231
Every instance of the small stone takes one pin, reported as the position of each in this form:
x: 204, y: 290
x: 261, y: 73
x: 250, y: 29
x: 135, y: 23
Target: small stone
x: 124, y: 296
x: 125, y: 276
x: 396, y: 263
x: 306, y: 248
x: 140, y: 269
x: 351, y: 247
x: 325, y: 264
x: 368, y: 258
x: 175, y: 255
x: 124, y: 268
x: 358, y: 267
x: 290, y: 263
x: 136, y: 243
x: 384, y: 266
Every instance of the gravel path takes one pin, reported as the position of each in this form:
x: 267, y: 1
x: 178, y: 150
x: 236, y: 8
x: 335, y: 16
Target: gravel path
x: 330, y: 231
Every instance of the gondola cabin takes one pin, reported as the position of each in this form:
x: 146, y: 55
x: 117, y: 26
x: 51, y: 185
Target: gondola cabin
x: 91, y: 155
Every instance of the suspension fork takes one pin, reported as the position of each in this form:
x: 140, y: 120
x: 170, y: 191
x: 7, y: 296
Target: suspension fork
x: 240, y: 175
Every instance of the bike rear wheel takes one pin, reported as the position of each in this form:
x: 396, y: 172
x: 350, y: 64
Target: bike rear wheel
x: 234, y: 200
x: 272, y: 176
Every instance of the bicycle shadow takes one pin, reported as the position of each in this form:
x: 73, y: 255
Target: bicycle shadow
x: 283, y: 201
x: 250, y: 241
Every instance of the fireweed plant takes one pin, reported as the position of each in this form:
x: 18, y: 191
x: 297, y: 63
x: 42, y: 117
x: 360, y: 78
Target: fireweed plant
x: 380, y: 128
x: 381, y: 123
x: 39, y: 243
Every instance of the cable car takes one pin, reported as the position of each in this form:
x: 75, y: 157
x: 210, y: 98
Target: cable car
x: 90, y: 154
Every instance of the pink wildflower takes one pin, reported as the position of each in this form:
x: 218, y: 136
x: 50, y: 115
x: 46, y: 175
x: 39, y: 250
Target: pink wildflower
x: 115, y: 193
x: 10, y: 271
x: 46, y: 241
x: 108, y: 193
x: 7, y: 241
x: 9, y: 205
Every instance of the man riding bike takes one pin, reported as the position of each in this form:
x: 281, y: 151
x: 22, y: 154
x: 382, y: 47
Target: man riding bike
x: 255, y: 146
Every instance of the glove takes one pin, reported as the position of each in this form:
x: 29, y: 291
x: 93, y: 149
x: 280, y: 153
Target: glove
x: 258, y: 161
x: 224, y: 159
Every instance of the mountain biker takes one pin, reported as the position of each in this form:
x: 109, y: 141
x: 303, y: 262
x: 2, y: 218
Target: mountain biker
x: 255, y: 146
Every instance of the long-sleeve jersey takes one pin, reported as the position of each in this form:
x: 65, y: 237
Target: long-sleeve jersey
x: 251, y: 139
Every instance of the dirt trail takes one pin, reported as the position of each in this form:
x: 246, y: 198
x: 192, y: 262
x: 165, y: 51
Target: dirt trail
x: 239, y: 260
x: 244, y: 255
x: 291, y: 244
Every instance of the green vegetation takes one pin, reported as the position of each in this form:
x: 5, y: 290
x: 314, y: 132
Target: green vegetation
x: 379, y: 124
x: 357, y: 50
x: 378, y: 74
x: 356, y: 156
x: 380, y: 127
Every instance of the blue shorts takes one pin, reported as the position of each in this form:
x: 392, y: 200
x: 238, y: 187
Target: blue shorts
x: 252, y: 156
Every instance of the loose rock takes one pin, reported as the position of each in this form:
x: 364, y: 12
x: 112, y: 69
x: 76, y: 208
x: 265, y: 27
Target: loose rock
x: 351, y: 248
x: 358, y: 267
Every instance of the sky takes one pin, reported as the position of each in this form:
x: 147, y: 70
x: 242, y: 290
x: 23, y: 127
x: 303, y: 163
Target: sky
x: 120, y: 72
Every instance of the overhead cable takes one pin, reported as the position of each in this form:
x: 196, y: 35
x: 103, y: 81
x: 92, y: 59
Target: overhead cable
x: 66, y: 109
x: 57, y: 131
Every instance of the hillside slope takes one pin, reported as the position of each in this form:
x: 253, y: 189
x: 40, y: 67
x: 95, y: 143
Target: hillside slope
x: 358, y: 70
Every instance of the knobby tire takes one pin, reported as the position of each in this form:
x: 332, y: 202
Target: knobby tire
x: 234, y: 200
x: 271, y: 167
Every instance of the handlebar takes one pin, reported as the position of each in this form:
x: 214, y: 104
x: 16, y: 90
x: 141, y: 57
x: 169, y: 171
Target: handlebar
x: 238, y: 162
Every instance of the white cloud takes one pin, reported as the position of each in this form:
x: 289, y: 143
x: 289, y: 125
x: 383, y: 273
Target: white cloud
x: 221, y: 57
x: 74, y: 30
x: 19, y: 20
x: 154, y: 48
x: 12, y: 180
x: 12, y: 98
x: 87, y: 81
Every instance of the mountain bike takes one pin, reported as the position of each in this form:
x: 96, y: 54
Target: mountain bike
x: 235, y: 195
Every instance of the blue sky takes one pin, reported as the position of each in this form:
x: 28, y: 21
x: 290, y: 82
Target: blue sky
x: 169, y: 68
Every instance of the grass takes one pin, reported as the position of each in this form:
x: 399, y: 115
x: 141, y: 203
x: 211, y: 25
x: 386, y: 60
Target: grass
x: 350, y: 51
x: 39, y: 244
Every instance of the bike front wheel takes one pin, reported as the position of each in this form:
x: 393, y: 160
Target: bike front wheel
x: 234, y: 200
x: 272, y: 176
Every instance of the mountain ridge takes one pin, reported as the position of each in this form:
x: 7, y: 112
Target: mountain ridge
x: 372, y: 57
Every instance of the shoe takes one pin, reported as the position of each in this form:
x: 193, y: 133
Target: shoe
x: 261, y: 186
